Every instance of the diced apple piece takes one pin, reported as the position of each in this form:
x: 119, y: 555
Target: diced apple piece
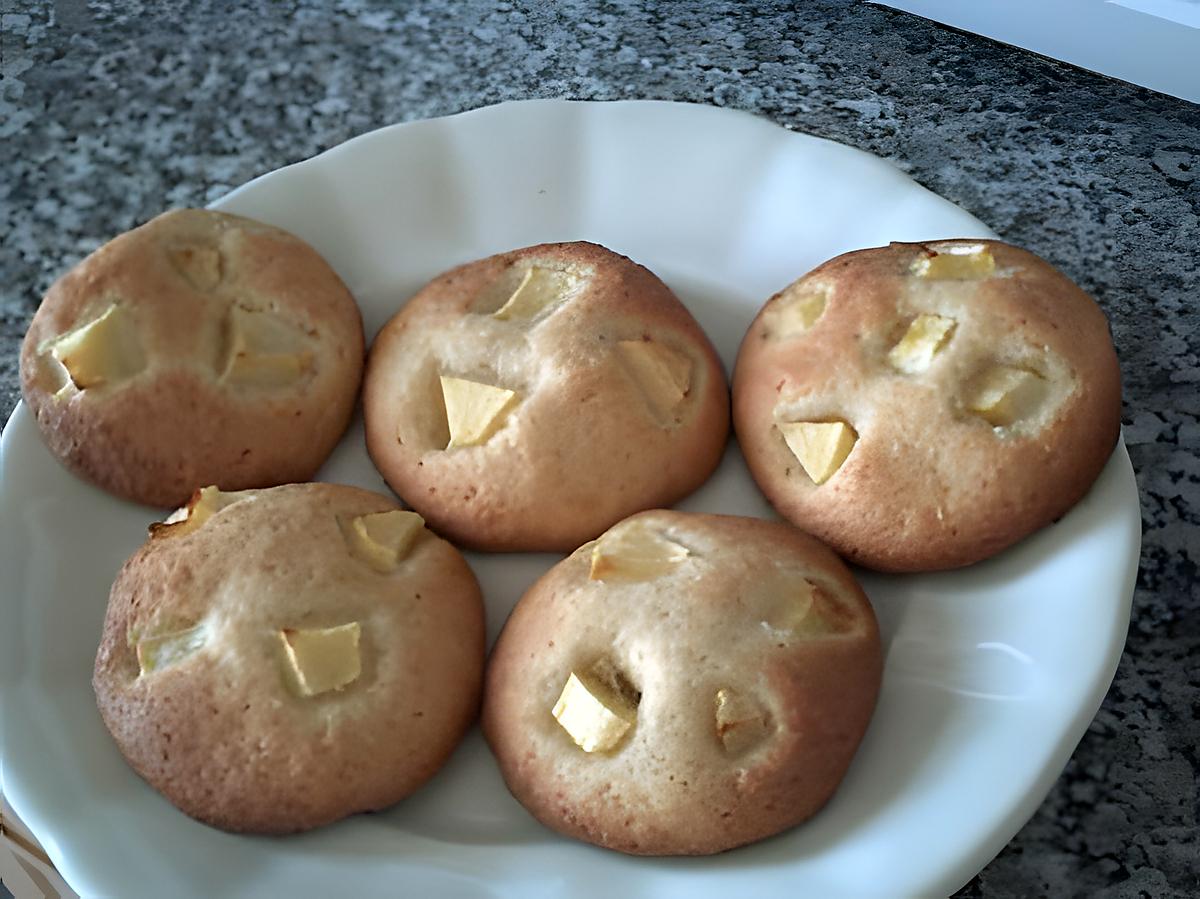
x: 474, y: 411
x: 199, y: 265
x: 970, y: 262
x: 156, y: 653
x: 103, y: 351
x: 794, y: 598
x: 540, y: 289
x: 52, y: 376
x: 1003, y: 395
x: 268, y: 369
x: 741, y: 723
x: 264, y: 350
x: 634, y: 552
x: 820, y: 446
x: 204, y: 504
x: 800, y: 309
x: 596, y: 715
x: 664, y: 375
x: 924, y: 339
x: 806, y: 610
x: 383, y: 539
x: 322, y: 659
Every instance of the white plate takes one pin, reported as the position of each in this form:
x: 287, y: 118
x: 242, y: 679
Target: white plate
x: 992, y: 673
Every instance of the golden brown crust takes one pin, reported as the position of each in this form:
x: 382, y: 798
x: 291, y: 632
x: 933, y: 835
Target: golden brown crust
x: 582, y: 449
x: 929, y: 485
x: 221, y: 733
x: 671, y: 787
x: 176, y: 425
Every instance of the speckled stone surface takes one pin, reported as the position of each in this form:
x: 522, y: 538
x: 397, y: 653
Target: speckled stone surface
x: 112, y: 111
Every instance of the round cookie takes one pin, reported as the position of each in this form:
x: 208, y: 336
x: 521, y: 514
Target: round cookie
x: 925, y: 406
x: 274, y: 660
x: 683, y: 685
x: 200, y: 348
x: 529, y: 400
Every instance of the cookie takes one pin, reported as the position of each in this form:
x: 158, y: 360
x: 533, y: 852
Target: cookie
x: 201, y: 348
x: 683, y: 685
x: 925, y: 406
x: 274, y: 660
x: 529, y: 400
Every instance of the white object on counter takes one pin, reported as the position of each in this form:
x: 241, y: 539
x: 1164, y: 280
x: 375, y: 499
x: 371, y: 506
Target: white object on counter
x: 993, y: 672
x: 1152, y: 43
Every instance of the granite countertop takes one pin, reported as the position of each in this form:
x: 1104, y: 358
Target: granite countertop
x: 111, y: 112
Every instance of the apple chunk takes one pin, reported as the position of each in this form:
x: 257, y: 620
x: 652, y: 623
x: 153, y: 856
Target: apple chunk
x: 820, y: 446
x: 474, y: 411
x: 383, y: 539
x: 741, y: 723
x: 1003, y: 395
x: 662, y: 374
x: 799, y: 309
x: 161, y: 651
x: 923, y: 340
x: 103, y: 351
x: 634, y: 552
x: 264, y: 349
x: 794, y: 600
x: 805, y: 610
x: 199, y: 265
x: 972, y: 262
x: 204, y: 504
x: 539, y: 290
x: 596, y: 712
x: 322, y: 659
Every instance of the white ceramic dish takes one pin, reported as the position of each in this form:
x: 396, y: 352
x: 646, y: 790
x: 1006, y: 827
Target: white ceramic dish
x: 992, y: 673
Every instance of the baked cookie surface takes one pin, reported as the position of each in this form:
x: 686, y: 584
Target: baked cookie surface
x: 282, y: 658
x: 925, y: 406
x: 683, y: 685
x: 529, y: 400
x: 200, y: 348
